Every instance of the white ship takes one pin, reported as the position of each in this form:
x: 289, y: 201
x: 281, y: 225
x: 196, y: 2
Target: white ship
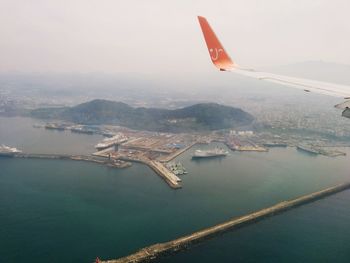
x: 217, y: 152
x: 109, y: 142
x: 8, y: 151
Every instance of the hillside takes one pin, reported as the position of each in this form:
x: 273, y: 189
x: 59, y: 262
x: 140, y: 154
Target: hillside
x: 205, y: 116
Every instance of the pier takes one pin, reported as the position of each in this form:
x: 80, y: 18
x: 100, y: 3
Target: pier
x: 154, y: 251
x: 177, y: 153
x: 106, y: 158
x: 85, y: 158
x: 244, y: 146
x: 171, y: 179
x: 159, y: 168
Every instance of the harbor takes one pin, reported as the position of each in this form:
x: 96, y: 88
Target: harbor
x: 120, y: 151
x: 111, y: 158
x: 113, y: 188
x: 158, y: 150
x: 122, y: 146
x: 152, y: 252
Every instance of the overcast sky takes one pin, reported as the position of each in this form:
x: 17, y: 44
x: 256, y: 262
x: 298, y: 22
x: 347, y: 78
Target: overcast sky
x: 162, y: 36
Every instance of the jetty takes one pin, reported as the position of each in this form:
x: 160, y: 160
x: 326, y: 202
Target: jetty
x: 147, y: 254
x: 171, y: 179
x: 159, y: 168
x: 106, y: 158
x: 177, y: 153
x: 85, y: 158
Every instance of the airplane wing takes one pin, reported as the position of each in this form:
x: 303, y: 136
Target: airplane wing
x: 223, y: 62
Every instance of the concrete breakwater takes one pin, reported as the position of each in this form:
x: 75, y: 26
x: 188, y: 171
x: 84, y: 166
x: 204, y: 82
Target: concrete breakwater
x: 122, y: 162
x: 43, y: 156
x: 177, y: 153
x: 171, y: 179
x: 157, y: 250
x: 86, y: 158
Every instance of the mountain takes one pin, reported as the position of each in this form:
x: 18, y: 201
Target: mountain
x: 198, y: 117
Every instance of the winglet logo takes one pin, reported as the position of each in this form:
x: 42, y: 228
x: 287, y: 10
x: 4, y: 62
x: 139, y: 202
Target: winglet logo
x: 215, y: 53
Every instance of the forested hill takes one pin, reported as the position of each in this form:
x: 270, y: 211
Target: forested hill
x: 204, y: 116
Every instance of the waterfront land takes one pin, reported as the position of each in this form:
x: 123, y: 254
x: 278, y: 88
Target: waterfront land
x: 156, y: 149
x: 116, y: 211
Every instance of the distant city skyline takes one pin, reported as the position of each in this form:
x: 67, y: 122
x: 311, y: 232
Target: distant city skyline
x: 163, y: 37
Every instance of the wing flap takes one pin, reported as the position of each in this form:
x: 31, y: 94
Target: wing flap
x: 325, y: 88
x: 223, y: 62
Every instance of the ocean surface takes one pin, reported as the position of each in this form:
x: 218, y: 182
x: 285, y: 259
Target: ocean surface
x: 69, y: 211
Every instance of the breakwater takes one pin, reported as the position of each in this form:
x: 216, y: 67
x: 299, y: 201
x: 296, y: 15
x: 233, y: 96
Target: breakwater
x: 177, y: 153
x: 169, y: 177
x: 157, y: 250
x: 122, y: 162
x: 85, y: 158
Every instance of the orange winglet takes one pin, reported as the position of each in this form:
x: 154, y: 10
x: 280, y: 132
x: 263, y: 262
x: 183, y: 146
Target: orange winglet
x: 217, y: 53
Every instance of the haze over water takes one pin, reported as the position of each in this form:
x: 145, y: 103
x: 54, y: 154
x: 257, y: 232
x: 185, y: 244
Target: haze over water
x: 67, y: 211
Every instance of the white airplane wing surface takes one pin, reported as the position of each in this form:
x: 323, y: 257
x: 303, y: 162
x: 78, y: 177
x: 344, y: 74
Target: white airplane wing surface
x: 223, y: 62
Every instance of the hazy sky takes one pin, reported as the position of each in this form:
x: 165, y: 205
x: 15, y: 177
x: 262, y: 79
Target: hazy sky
x: 164, y: 36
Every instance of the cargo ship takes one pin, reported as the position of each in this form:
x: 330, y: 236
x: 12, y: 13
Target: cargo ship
x: 308, y: 149
x: 54, y: 126
x: 275, y: 144
x: 109, y: 142
x: 7, y: 151
x: 217, y: 152
x: 80, y: 129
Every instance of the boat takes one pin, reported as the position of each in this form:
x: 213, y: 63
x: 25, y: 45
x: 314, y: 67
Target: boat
x: 82, y: 130
x: 217, y: 152
x: 308, y: 149
x: 109, y: 142
x: 177, y: 168
x: 108, y: 134
x: 7, y: 151
x: 275, y: 144
x: 54, y: 126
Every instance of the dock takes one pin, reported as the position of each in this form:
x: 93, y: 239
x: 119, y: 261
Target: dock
x: 85, y: 158
x: 177, y: 153
x: 104, y: 157
x: 43, y: 156
x: 244, y: 146
x: 315, y: 150
x: 149, y: 253
x: 171, y: 179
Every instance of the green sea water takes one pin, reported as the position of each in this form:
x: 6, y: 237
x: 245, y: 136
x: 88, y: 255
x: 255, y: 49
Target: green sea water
x: 67, y: 211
